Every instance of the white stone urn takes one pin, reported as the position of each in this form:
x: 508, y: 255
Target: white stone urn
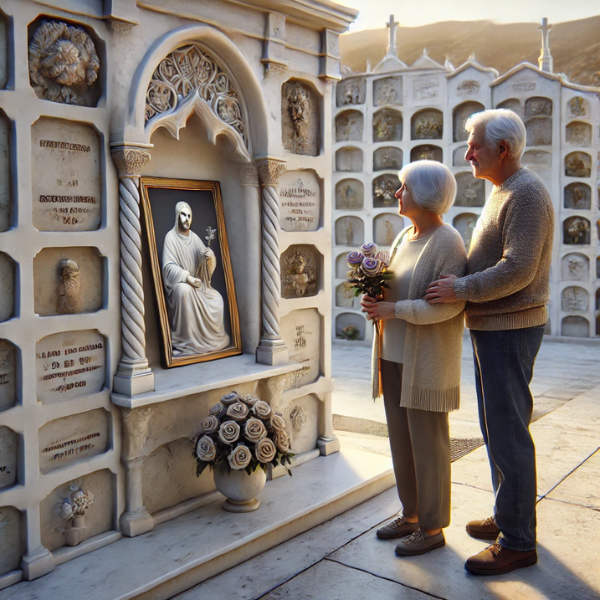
x: 240, y: 489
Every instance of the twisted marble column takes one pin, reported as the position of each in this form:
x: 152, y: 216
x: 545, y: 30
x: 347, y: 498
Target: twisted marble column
x: 272, y: 349
x: 133, y: 376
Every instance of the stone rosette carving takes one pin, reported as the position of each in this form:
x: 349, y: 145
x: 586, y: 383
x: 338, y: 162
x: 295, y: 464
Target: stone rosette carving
x: 63, y: 64
x: 69, y: 288
x: 130, y: 161
x: 298, y: 418
x: 189, y: 70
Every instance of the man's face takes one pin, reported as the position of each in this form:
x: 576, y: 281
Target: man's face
x: 484, y: 160
x: 185, y: 219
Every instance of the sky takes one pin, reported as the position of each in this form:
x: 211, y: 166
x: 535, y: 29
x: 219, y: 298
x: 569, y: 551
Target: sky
x: 412, y: 13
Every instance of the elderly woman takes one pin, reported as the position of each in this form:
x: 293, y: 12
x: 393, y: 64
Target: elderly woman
x: 420, y: 356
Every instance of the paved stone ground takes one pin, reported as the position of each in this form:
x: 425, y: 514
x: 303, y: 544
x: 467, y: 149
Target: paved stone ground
x: 342, y: 559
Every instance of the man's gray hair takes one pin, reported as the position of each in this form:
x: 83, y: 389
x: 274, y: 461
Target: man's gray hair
x: 431, y: 184
x: 501, y: 125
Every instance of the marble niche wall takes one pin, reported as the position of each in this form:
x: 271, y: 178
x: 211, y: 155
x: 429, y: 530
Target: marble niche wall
x: 59, y: 297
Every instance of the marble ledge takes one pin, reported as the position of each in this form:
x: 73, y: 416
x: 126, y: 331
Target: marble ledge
x: 321, y: 386
x: 202, y: 377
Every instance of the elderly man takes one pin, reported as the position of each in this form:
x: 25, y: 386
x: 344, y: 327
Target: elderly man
x: 507, y: 289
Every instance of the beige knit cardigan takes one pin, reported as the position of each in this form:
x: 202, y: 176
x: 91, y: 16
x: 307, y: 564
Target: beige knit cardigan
x: 433, y: 341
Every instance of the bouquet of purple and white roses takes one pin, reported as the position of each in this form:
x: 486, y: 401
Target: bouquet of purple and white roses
x: 368, y: 271
x: 241, y: 432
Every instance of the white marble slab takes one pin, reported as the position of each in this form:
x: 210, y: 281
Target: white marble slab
x: 182, y: 552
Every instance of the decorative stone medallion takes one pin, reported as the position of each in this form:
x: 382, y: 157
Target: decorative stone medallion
x: 300, y: 271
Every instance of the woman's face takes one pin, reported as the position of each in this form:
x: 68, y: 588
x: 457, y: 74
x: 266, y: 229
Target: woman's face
x: 406, y: 204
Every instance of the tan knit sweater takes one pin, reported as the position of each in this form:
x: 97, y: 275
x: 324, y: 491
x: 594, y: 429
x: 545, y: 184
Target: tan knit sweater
x: 508, y: 281
x: 433, y: 343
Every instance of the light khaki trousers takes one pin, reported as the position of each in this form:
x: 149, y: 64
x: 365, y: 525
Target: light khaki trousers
x: 420, y: 444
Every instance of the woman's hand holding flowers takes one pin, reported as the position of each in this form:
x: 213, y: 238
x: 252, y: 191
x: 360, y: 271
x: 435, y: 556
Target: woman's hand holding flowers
x: 377, y: 310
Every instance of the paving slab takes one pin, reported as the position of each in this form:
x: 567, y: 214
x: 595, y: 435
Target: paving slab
x: 333, y: 581
x: 563, y: 572
x: 274, y: 567
x: 582, y: 486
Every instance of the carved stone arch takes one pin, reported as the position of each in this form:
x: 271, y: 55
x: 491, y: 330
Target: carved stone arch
x: 231, y: 62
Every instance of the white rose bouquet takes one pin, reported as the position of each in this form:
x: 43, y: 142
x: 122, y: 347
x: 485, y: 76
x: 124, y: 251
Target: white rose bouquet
x: 241, y: 432
x: 368, y: 271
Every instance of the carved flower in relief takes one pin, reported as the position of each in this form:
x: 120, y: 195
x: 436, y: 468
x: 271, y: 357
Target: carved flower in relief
x: 237, y: 411
x: 205, y: 449
x: 229, y: 432
x: 265, y: 450
x: 282, y: 441
x: 254, y: 430
x: 240, y: 457
x: 262, y: 410
x: 230, y: 398
x: 277, y: 423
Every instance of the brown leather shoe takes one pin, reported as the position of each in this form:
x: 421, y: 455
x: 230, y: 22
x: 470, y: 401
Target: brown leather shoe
x: 496, y: 559
x: 483, y: 530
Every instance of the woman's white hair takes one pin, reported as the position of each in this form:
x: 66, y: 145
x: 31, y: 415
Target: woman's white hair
x: 431, y: 184
x: 501, y: 125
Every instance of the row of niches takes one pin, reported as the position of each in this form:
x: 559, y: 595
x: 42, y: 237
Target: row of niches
x: 73, y: 512
x: 65, y: 281
x: 66, y: 175
x: 577, y: 299
x: 350, y: 195
x: 68, y: 365
x: 387, y: 90
x: 577, y: 231
x: 350, y: 231
x: 575, y: 266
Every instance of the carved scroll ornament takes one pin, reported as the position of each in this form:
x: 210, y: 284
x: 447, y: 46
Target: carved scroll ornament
x: 189, y: 70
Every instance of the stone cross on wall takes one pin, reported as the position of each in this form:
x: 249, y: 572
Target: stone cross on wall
x: 545, y: 59
x: 392, y: 27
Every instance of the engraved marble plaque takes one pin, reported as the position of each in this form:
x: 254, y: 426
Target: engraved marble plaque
x: 387, y: 126
x: 469, y: 191
x: 426, y: 152
x: 8, y: 458
x: 578, y: 164
x: 300, y: 201
x: 5, y: 180
x: 512, y: 104
x: 351, y: 91
x: 465, y: 224
x: 539, y: 131
x: 349, y: 231
x: 301, y: 331
x: 70, y: 364
x: 349, y: 126
x: 579, y: 134
x: 12, y: 540
x: 300, y: 118
x: 574, y: 299
x: 578, y: 195
x: 62, y: 287
x: 575, y: 267
x: 349, y: 159
x: 98, y: 518
x: 66, y: 186
x: 8, y: 384
x: 300, y: 271
x: 427, y: 125
x: 71, y: 439
x: 384, y: 189
x: 386, y: 227
x: 461, y: 115
x: 538, y: 106
x: 576, y: 230
x: 387, y: 157
x: 426, y: 87
x: 350, y: 326
x: 458, y: 157
x: 349, y: 194
x: 7, y: 286
x: 387, y: 90
x: 575, y: 327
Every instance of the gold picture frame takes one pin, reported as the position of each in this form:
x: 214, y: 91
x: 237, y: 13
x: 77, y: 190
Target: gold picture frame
x: 159, y: 199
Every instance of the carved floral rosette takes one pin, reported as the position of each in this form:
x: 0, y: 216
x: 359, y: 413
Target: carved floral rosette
x: 189, y: 70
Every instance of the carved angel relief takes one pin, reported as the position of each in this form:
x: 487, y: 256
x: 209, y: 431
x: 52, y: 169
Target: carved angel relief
x: 186, y: 71
x: 63, y: 64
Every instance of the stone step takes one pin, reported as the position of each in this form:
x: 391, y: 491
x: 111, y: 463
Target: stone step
x: 200, y: 544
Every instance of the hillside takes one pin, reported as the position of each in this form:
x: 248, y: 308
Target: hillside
x: 575, y: 45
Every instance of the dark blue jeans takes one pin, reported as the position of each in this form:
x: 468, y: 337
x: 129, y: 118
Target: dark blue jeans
x: 503, y: 370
